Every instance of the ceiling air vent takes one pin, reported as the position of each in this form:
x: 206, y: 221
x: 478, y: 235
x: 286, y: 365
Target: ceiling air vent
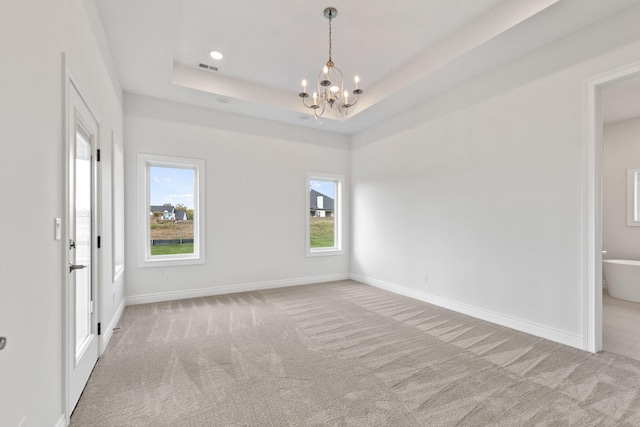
x: 208, y: 67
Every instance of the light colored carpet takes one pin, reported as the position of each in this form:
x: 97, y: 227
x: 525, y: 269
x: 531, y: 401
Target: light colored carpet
x: 344, y: 354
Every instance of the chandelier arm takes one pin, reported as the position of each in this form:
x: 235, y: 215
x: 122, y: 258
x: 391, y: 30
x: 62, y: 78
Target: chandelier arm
x: 351, y: 104
x: 305, y: 104
x: 314, y: 107
x: 319, y: 114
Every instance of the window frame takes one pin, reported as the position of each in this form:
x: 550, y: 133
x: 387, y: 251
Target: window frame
x: 145, y: 259
x: 117, y: 206
x: 338, y: 247
x: 633, y: 197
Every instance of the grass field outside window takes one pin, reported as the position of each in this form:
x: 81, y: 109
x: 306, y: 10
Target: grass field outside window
x: 180, y: 248
x: 321, y: 232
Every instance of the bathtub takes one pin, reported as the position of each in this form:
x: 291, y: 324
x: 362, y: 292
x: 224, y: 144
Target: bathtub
x: 623, y: 278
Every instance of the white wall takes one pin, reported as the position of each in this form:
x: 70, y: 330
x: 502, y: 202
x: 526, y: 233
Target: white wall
x: 483, y: 189
x: 255, y: 198
x: 33, y: 35
x: 30, y: 176
x: 621, y: 151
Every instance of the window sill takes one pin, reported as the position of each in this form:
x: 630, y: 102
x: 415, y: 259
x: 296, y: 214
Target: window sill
x: 170, y: 261
x: 324, y: 252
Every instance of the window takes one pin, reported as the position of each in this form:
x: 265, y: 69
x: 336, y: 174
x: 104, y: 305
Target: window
x: 171, y: 196
x: 324, y: 214
x: 633, y: 197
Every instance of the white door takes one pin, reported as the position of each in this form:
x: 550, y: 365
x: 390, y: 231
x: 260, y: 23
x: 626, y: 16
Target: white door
x: 82, y: 340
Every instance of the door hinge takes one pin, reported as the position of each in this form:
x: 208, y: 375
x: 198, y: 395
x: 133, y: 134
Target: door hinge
x: 90, y: 307
x: 99, y: 329
x: 99, y: 243
x: 98, y: 155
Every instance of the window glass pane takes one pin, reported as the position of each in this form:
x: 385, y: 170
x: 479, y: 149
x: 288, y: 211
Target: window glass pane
x: 636, y: 192
x: 118, y: 208
x: 171, y: 196
x: 83, y: 202
x: 322, y: 232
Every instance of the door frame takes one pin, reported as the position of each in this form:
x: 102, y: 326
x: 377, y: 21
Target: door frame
x: 68, y: 357
x: 592, y: 199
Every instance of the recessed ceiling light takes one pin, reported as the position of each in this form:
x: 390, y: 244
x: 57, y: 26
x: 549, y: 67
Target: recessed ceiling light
x: 216, y: 55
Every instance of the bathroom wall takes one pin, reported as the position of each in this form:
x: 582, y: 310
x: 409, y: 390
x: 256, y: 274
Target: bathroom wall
x: 621, y: 151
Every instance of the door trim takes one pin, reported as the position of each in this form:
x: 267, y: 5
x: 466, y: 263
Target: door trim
x: 592, y: 200
x: 69, y: 357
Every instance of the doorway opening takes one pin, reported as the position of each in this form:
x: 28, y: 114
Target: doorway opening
x: 621, y: 218
x: 593, y: 176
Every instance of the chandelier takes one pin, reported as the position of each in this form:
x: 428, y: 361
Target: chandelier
x: 330, y: 94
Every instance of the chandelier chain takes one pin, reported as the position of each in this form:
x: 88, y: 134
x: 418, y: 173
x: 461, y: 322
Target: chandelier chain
x: 330, y: 38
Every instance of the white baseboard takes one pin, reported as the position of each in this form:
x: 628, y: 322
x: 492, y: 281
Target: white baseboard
x: 479, y: 313
x: 107, y: 331
x: 232, y: 289
x: 62, y: 421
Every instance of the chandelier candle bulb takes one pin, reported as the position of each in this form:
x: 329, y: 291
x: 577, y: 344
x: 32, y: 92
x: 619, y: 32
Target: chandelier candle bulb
x: 304, y: 86
x: 357, y: 80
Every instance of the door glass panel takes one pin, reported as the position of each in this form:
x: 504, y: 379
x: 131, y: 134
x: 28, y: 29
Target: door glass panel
x: 82, y: 251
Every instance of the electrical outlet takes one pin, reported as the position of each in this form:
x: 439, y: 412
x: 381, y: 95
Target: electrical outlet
x: 425, y: 278
x: 167, y: 277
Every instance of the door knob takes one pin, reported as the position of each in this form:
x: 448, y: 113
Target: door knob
x: 76, y: 267
x: 3, y: 342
